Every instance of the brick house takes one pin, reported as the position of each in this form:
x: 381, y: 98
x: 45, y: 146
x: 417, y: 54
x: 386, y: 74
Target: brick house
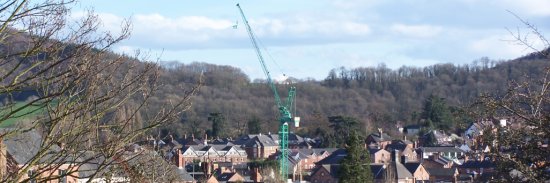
x: 230, y: 177
x: 380, y: 139
x: 308, y: 157
x: 443, y: 174
x: 259, y: 146
x: 325, y: 174
x: 379, y: 156
x: 18, y: 150
x: 302, y: 161
x: 405, y: 150
x: 480, y: 170
x: 211, y: 153
x: 449, y: 152
x: 418, y: 171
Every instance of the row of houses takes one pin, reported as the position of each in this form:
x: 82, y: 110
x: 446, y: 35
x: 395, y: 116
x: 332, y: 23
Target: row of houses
x: 193, y: 159
x: 401, y: 160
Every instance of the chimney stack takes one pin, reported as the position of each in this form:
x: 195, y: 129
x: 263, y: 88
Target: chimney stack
x: 256, y: 177
x: 207, y: 168
x: 179, y: 159
x: 395, y: 156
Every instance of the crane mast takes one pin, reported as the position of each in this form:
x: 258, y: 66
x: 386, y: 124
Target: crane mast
x: 285, y: 109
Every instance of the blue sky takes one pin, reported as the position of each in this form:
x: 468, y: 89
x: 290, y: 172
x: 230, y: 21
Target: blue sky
x: 307, y: 38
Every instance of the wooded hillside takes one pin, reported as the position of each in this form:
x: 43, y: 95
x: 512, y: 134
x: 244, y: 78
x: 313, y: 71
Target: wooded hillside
x: 377, y: 96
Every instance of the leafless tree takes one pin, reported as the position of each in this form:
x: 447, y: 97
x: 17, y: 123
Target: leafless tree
x: 521, y: 150
x: 88, y: 102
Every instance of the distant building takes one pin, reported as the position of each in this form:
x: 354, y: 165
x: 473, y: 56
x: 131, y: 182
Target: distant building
x: 259, y: 146
x: 211, y: 153
x: 18, y: 150
x: 325, y: 174
x: 380, y: 139
x: 412, y: 129
x: 450, y: 152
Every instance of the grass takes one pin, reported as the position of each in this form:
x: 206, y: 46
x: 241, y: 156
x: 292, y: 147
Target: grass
x: 26, y: 113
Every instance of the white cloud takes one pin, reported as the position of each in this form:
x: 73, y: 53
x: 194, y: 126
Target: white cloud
x: 529, y: 7
x: 356, y: 28
x: 417, y: 31
x: 196, y: 32
x: 503, y: 46
x: 301, y: 27
x: 524, y: 7
x: 192, y: 23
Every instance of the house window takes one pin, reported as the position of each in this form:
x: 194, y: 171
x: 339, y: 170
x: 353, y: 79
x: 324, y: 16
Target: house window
x: 323, y: 174
x: 62, y: 176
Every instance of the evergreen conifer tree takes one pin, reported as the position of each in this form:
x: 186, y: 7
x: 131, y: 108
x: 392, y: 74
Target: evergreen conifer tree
x: 356, y: 166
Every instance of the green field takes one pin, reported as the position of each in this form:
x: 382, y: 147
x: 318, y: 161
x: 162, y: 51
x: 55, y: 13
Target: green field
x: 27, y: 113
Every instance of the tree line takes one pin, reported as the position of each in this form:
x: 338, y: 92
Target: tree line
x: 378, y: 97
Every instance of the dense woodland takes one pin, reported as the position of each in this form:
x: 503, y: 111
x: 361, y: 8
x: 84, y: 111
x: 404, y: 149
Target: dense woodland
x: 378, y: 97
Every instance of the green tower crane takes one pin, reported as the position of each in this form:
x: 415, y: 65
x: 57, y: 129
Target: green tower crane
x: 285, y: 115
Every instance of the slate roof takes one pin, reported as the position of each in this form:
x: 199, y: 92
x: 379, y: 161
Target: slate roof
x: 401, y: 171
x: 477, y: 164
x: 398, y: 144
x: 332, y: 169
x: 294, y: 137
x: 315, y: 151
x: 214, y: 150
x: 377, y: 170
x: 184, y: 175
x: 260, y: 141
x: 224, y: 177
x: 222, y: 141
x: 412, y: 167
x: 374, y: 150
x: 246, y: 138
x: 441, y: 172
x: 441, y: 149
x: 90, y: 167
x: 297, y: 155
x: 376, y: 137
x: 335, y: 158
x: 24, y: 146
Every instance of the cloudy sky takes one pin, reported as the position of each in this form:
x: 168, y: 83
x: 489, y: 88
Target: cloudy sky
x: 307, y: 38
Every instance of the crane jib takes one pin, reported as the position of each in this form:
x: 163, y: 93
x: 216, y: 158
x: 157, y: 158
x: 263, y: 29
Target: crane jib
x: 284, y: 109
